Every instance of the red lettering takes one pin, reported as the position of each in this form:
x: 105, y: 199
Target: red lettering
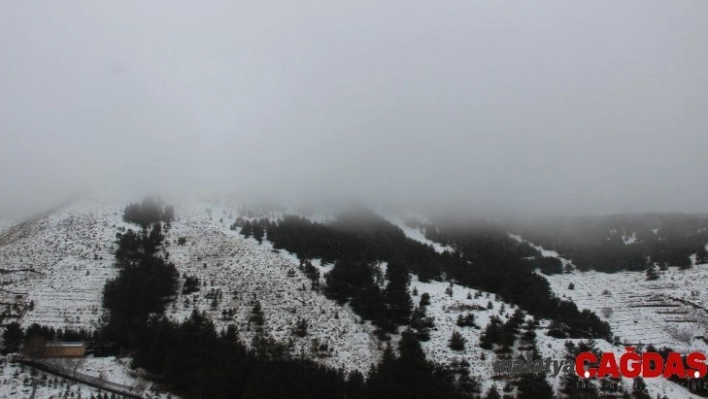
x: 608, y: 365
x: 580, y: 364
x: 697, y: 363
x: 636, y: 360
x: 650, y: 359
x: 674, y: 366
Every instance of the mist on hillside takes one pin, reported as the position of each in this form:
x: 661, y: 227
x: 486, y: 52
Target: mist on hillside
x: 483, y: 107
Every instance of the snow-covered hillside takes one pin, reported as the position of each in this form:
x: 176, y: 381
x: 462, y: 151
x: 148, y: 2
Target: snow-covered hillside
x: 244, y: 271
x: 61, y: 261
x: 414, y: 233
x: 4, y: 224
x: 670, y: 311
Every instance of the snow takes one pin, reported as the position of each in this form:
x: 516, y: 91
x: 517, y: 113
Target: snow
x: 243, y: 270
x: 16, y: 381
x: 544, y: 252
x: 629, y: 239
x: 653, y: 312
x: 670, y: 312
x: 414, y: 233
x: 71, y: 250
x: 445, y: 309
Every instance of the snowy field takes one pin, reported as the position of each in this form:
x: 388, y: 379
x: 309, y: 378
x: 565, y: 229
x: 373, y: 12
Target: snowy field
x: 17, y: 381
x: 669, y: 311
x: 62, y: 262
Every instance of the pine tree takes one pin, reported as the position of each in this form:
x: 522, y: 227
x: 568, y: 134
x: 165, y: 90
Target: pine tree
x: 258, y: 231
x: 534, y: 386
x: 492, y: 334
x: 457, y: 341
x: 398, y: 301
x: 639, y: 389
x: 492, y: 393
x: 247, y: 229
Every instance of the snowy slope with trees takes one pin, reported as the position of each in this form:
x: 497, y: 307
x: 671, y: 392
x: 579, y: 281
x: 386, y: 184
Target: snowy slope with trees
x: 59, y: 263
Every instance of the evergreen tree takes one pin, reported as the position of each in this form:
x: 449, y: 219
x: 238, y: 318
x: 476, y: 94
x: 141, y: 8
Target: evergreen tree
x: 534, y: 386
x: 639, y: 389
x: 12, y: 336
x: 411, y: 375
x: 457, y: 341
x: 247, y: 229
x: 492, y: 333
x: 492, y: 393
x: 398, y: 300
x: 258, y: 231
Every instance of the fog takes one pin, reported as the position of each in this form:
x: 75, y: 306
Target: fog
x: 549, y: 107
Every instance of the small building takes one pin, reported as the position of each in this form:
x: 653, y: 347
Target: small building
x: 65, y: 349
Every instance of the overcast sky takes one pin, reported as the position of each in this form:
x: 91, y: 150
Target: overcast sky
x: 535, y: 106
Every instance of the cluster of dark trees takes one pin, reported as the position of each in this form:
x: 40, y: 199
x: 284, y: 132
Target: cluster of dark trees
x: 548, y: 265
x: 487, y: 258
x: 148, y: 212
x: 484, y: 257
x: 195, y: 360
x: 191, y: 284
x: 256, y: 229
x: 137, y: 246
x: 534, y: 385
x: 503, y: 335
x: 198, y: 361
x: 312, y: 273
x: 623, y: 242
x: 411, y: 375
x: 358, y: 235
x: 144, y: 285
x: 356, y: 281
x: 421, y: 323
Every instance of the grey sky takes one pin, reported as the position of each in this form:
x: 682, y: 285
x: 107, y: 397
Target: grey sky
x: 551, y: 106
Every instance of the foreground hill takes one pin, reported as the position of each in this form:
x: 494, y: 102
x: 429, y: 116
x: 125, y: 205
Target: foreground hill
x: 58, y: 264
